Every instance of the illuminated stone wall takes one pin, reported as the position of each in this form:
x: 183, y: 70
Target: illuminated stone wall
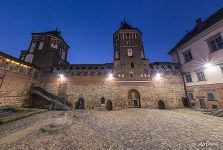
x: 168, y: 88
x: 15, y: 80
x: 14, y: 88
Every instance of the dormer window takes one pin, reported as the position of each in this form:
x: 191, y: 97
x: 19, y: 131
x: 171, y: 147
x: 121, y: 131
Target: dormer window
x: 129, y: 51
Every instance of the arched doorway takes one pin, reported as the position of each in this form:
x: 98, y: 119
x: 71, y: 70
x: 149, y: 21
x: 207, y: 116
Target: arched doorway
x: 79, y: 103
x: 109, y: 105
x: 134, y: 98
x: 161, y: 104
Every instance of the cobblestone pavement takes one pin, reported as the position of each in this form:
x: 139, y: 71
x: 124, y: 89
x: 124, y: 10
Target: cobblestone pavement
x: 129, y: 129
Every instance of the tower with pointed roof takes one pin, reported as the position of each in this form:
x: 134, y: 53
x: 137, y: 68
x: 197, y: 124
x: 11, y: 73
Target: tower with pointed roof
x: 46, y: 50
x: 129, y: 56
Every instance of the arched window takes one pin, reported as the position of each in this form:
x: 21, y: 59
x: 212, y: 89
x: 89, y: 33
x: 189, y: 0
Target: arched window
x: 128, y: 42
x: 129, y: 52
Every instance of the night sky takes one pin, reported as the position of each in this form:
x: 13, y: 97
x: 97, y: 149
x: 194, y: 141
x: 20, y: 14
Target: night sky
x: 88, y: 25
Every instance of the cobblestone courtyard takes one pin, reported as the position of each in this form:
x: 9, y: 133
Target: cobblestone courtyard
x: 122, y: 129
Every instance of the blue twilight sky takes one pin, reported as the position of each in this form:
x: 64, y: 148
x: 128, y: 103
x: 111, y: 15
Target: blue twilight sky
x: 88, y: 25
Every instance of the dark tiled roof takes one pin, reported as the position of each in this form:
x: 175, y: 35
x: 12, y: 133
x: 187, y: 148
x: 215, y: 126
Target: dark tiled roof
x: 17, y: 60
x: 106, y: 64
x: 55, y: 33
x: 160, y: 63
x: 125, y: 25
x: 206, y: 24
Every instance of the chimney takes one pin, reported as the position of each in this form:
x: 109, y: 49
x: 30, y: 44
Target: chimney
x: 199, y: 24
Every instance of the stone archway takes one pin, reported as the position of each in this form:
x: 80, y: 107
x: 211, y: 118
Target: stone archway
x: 109, y: 105
x: 161, y: 104
x: 134, y: 98
x: 79, y: 103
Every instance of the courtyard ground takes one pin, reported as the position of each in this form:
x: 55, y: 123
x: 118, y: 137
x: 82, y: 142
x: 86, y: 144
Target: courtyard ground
x: 130, y: 129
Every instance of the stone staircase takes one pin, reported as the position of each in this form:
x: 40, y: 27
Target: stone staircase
x: 215, y: 113
x: 59, y: 103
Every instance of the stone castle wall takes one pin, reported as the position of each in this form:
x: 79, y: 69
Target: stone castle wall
x: 14, y: 88
x: 92, y: 88
x: 200, y: 92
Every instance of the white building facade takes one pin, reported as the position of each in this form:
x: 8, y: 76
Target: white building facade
x: 200, y: 53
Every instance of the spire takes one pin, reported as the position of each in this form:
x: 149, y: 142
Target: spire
x: 125, y: 25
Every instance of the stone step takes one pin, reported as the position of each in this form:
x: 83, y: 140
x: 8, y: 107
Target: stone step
x: 215, y: 113
x: 220, y: 114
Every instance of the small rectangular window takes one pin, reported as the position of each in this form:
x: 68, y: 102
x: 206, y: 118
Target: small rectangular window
x: 132, y: 64
x: 211, y: 96
x: 188, y: 78
x: 215, y: 42
x: 187, y: 56
x: 201, y: 76
x: 214, y: 107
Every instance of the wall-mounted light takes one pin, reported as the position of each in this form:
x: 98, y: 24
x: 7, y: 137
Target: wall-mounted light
x: 208, y: 65
x: 110, y: 76
x: 158, y: 75
x: 61, y: 75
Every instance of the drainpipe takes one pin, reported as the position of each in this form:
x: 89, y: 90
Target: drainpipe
x: 2, y: 78
x: 185, y: 89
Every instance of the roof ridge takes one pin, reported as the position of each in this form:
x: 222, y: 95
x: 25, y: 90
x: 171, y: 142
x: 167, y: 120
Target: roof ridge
x: 209, y: 21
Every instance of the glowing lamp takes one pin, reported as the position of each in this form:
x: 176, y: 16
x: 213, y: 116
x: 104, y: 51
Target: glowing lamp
x: 110, y: 75
x: 208, y: 65
x: 158, y: 75
x: 61, y: 75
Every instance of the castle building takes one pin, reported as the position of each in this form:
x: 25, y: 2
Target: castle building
x: 200, y: 53
x: 129, y: 81
x: 47, y: 47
